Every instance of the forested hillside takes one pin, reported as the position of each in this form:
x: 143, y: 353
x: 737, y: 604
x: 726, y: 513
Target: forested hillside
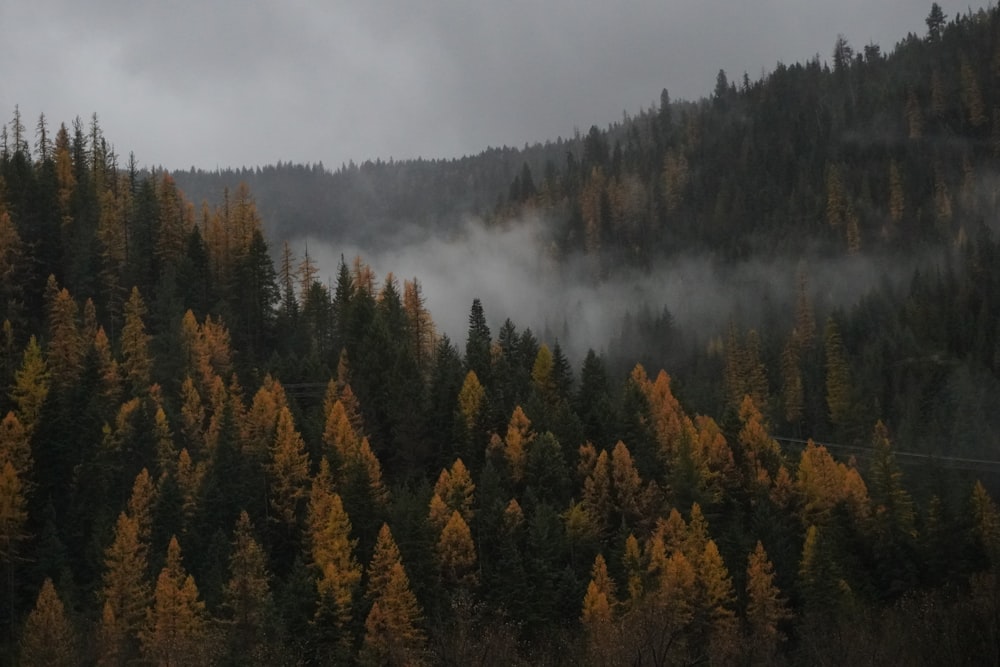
x: 208, y: 455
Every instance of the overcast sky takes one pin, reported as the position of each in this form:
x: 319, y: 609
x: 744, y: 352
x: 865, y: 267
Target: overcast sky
x: 205, y: 83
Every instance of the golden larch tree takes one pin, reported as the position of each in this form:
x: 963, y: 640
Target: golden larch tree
x: 48, y: 638
x: 176, y: 629
x: 125, y: 593
x: 137, y: 363
x: 766, y: 608
x: 597, y: 617
x: 392, y: 633
x: 331, y: 556
x: 247, y: 598
x: 288, y: 471
x: 31, y: 386
x: 456, y: 553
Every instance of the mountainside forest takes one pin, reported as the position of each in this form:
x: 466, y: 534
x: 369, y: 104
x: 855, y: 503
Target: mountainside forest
x: 210, y: 455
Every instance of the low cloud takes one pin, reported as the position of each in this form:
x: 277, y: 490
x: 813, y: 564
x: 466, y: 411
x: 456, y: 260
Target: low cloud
x: 510, y: 270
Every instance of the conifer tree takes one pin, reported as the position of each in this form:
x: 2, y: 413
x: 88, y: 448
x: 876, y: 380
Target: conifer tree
x: 136, y: 360
x: 838, y: 381
x: 64, y: 352
x: 456, y: 553
x: 766, y: 608
x: 15, y: 446
x: 288, y: 470
x: 392, y: 633
x: 176, y: 630
x: 31, y: 386
x: 48, y: 638
x: 328, y: 531
x: 598, y: 614
x: 247, y: 597
x: 519, y: 437
x: 125, y: 594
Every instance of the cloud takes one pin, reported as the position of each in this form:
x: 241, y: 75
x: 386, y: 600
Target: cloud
x: 250, y: 83
x: 509, y: 270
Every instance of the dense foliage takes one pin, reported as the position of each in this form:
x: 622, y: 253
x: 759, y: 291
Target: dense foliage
x: 208, y: 456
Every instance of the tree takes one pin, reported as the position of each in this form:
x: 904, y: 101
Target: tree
x: 48, y: 638
x: 519, y: 437
x: 838, y: 381
x: 935, y: 22
x: 392, y: 635
x: 64, y: 353
x: 125, y: 594
x: 456, y: 553
x: 15, y: 446
x: 288, y: 469
x: 766, y: 608
x: 31, y: 386
x: 478, y: 341
x: 454, y: 490
x: 599, y: 606
x: 176, y: 626
x: 328, y: 533
x: 247, y: 597
x: 136, y: 360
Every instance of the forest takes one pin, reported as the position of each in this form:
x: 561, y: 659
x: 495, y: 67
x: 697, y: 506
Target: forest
x: 211, y: 455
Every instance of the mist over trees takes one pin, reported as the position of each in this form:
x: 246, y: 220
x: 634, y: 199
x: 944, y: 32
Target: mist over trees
x: 214, y: 450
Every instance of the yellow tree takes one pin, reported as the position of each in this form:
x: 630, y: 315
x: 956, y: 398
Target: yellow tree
x: 392, y: 635
x: 331, y: 556
x: 420, y: 326
x: 714, y: 599
x: 456, y: 553
x: 766, y: 608
x: 136, y: 360
x: 15, y: 446
x: 176, y: 625
x: 762, y: 453
x: 48, y: 638
x: 288, y: 470
x: 454, y: 490
x: 470, y: 401
x: 125, y: 594
x: 65, y: 349
x: 626, y: 485
x: 597, y: 502
x: 31, y: 386
x: 599, y: 605
x: 519, y: 437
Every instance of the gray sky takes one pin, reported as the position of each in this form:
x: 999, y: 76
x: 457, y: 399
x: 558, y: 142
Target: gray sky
x: 205, y: 83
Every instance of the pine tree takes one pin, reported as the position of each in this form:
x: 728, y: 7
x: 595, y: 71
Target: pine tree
x: 48, y: 638
x: 176, y: 629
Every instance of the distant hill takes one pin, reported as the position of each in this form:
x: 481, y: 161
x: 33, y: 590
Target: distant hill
x: 869, y: 150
